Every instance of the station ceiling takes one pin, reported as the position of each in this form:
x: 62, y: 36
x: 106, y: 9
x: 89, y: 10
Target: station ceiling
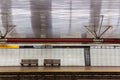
x: 60, y: 18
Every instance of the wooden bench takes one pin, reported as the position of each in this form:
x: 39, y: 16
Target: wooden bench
x: 52, y: 62
x: 29, y: 62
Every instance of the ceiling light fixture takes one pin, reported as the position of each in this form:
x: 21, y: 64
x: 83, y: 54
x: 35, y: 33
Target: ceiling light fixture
x: 97, y: 34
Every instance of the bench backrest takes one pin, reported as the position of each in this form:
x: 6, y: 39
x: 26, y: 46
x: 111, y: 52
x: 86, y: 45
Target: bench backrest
x: 29, y: 61
x: 52, y: 61
x: 34, y: 61
x: 48, y: 61
x: 56, y: 61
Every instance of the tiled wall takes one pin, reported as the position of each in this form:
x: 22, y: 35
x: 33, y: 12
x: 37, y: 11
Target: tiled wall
x: 69, y: 57
x: 105, y: 57
x: 9, y: 57
x: 99, y: 56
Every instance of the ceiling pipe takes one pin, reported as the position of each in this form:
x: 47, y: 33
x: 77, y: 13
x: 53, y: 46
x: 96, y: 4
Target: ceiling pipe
x: 112, y: 40
x: 60, y: 40
x: 51, y: 40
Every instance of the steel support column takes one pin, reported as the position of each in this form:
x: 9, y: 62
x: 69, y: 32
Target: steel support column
x: 87, y: 56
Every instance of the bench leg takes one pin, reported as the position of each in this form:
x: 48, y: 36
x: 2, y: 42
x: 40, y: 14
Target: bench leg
x: 21, y: 64
x: 29, y: 64
x: 58, y: 64
x: 36, y: 64
x: 44, y: 64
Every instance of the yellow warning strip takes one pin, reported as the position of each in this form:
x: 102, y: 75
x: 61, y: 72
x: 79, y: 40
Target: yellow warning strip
x: 9, y: 46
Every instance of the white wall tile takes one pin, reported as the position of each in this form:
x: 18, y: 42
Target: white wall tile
x: 105, y: 57
x: 9, y: 57
x: 69, y: 57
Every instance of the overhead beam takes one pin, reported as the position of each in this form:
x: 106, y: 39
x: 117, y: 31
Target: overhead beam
x: 62, y: 40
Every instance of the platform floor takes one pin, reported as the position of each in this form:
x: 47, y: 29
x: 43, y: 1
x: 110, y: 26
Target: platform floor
x: 59, y: 69
x: 59, y: 73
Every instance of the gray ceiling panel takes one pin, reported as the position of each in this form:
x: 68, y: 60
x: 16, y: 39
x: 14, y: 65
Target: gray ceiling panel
x: 51, y: 18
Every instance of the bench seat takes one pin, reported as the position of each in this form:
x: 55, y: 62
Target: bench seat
x: 51, y: 62
x: 29, y: 62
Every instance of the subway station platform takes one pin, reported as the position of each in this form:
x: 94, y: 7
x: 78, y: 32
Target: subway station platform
x: 59, y: 73
x: 57, y: 69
